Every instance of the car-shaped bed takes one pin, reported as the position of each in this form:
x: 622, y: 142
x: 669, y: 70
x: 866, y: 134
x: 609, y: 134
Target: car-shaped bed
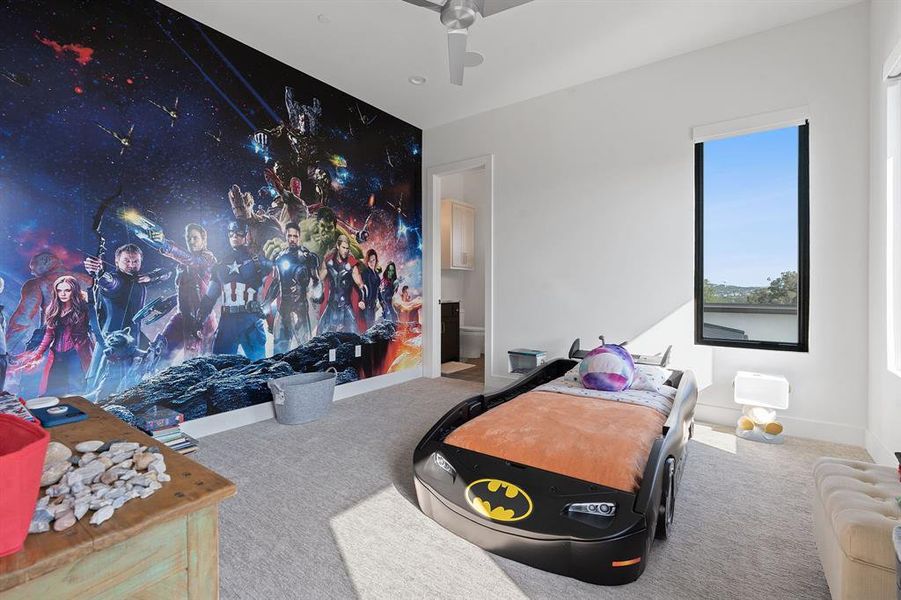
x: 537, y: 515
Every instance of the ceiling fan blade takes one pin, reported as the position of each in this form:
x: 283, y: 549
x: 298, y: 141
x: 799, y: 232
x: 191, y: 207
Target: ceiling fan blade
x: 429, y: 4
x: 456, y: 53
x: 492, y: 7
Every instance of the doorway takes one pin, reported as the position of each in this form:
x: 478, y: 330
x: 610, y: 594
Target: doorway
x: 458, y: 270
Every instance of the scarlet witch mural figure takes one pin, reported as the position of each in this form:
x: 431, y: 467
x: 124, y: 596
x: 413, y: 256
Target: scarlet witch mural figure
x: 66, y: 341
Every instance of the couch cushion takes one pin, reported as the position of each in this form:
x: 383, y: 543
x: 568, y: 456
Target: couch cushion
x: 860, y: 502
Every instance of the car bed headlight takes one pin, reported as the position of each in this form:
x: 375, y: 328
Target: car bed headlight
x: 438, y: 466
x: 601, y: 509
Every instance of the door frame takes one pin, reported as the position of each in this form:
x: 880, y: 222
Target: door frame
x: 431, y: 254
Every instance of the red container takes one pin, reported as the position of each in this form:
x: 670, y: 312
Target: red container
x: 23, y: 447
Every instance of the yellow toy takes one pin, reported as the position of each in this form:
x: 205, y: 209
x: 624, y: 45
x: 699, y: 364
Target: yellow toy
x: 760, y: 395
x: 759, y: 424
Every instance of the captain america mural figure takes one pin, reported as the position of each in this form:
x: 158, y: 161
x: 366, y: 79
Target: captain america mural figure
x: 237, y: 280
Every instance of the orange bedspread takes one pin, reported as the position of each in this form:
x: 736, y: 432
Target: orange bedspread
x: 595, y: 440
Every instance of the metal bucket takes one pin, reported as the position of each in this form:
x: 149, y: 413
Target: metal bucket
x: 302, y: 398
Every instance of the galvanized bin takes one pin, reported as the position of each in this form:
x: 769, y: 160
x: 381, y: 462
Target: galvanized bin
x: 302, y: 398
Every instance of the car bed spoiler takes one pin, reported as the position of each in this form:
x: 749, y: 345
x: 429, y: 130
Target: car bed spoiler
x: 659, y: 360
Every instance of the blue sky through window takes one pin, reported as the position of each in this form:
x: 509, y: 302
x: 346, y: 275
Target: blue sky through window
x: 751, y: 207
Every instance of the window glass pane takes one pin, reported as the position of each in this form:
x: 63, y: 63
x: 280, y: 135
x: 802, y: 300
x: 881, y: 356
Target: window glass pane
x: 750, y: 237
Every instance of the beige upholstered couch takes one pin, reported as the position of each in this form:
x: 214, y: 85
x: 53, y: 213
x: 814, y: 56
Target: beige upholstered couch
x: 854, y: 512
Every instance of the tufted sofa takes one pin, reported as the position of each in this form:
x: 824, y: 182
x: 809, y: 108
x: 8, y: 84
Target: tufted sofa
x: 854, y: 512
x: 898, y: 557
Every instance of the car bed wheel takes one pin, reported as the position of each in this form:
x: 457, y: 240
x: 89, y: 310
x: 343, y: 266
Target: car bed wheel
x: 667, y: 500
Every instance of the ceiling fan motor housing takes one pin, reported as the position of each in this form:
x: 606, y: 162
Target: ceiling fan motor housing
x: 459, y: 14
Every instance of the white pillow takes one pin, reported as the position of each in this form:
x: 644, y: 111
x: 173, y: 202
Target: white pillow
x: 649, y: 378
x: 573, y: 375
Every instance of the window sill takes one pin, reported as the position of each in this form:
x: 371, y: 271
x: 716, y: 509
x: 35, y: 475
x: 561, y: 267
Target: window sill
x: 775, y: 346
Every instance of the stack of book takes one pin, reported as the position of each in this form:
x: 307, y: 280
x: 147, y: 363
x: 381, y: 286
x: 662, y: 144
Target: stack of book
x: 164, y: 425
x: 13, y: 405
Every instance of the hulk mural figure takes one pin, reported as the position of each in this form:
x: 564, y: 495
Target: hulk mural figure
x: 319, y: 235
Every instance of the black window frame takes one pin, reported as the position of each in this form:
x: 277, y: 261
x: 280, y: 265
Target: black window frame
x: 802, y: 345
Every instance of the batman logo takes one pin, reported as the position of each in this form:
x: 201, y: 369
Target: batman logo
x: 498, y: 500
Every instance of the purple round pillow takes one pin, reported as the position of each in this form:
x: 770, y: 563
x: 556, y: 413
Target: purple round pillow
x: 607, y: 368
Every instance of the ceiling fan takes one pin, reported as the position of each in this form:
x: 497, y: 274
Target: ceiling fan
x: 458, y: 16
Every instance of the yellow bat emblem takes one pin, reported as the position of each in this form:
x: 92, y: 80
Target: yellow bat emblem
x: 498, y: 500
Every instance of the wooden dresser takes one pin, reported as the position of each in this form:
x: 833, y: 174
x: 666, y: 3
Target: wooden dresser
x: 164, y: 546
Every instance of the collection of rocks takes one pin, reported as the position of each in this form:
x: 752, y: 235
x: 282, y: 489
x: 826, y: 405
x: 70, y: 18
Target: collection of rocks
x: 104, y: 477
x: 206, y: 385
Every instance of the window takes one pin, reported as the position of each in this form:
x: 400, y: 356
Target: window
x: 751, y: 239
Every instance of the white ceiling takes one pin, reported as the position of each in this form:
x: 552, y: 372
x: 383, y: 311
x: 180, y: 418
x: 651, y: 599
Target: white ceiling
x: 369, y: 48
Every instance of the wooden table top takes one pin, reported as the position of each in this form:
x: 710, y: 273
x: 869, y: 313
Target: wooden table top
x: 192, y: 487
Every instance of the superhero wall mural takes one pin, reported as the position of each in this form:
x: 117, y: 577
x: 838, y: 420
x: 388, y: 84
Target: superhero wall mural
x: 185, y: 218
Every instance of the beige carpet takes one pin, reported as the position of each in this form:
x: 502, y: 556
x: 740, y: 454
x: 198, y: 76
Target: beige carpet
x: 327, y: 510
x: 454, y: 367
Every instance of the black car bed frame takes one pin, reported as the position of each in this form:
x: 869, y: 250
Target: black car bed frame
x: 572, y: 527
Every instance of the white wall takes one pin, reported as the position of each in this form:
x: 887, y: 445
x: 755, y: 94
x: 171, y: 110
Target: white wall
x: 594, y: 209
x: 884, y: 421
x: 468, y: 287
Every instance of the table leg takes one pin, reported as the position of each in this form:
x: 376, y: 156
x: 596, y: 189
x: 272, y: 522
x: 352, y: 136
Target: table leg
x: 203, y: 554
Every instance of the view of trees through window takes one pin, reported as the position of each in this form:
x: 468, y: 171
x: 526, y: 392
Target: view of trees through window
x: 780, y: 290
x: 749, y: 203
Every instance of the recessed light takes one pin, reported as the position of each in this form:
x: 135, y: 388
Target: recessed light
x: 416, y: 79
x: 324, y: 19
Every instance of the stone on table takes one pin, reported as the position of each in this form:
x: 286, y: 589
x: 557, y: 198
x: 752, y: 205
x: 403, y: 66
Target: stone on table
x: 54, y: 471
x: 64, y: 521
x: 89, y: 446
x: 102, y: 515
x: 56, y: 452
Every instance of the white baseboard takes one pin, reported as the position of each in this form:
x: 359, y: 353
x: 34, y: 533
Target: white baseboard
x: 199, y: 428
x: 878, y: 451
x: 804, y: 428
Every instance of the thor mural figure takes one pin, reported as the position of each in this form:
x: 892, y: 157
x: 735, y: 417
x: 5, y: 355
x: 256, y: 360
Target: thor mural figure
x: 343, y: 290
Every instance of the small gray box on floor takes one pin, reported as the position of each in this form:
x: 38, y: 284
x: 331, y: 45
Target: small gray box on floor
x: 302, y: 398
